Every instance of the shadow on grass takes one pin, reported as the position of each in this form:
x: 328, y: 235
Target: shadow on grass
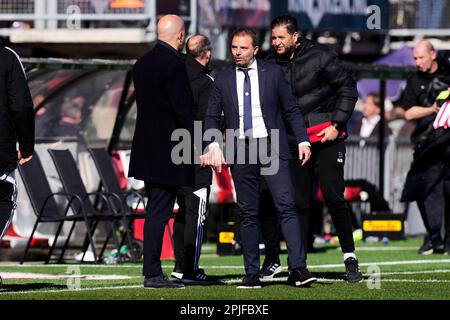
x: 317, y: 249
x: 233, y: 279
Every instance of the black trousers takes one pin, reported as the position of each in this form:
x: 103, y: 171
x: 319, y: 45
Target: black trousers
x: 435, y: 207
x: 327, y: 166
x: 247, y: 182
x: 6, y: 205
x: 188, y: 229
x: 161, y: 200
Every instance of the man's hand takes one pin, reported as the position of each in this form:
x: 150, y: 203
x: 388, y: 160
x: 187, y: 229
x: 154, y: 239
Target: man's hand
x: 329, y: 134
x: 23, y: 160
x: 435, y: 108
x: 213, y: 158
x: 304, y: 153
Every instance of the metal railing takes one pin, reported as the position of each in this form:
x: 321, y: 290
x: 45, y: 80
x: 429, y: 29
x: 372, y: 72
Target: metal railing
x: 362, y: 162
x: 84, y: 14
x: 419, y: 18
x: 75, y: 14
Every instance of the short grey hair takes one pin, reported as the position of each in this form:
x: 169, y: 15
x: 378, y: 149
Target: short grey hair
x: 202, y: 47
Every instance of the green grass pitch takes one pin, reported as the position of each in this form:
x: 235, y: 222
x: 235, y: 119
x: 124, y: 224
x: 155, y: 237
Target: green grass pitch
x: 392, y: 271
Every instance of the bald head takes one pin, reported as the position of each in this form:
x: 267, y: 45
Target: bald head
x: 424, y: 45
x: 170, y: 29
x: 425, y: 57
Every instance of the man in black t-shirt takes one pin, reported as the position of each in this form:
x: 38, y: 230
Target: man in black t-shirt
x: 430, y: 178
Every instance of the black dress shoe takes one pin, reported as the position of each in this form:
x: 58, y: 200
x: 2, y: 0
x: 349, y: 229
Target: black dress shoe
x: 161, y: 282
x: 251, y: 281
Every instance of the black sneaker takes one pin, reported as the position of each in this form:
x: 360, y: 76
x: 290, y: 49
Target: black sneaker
x: 447, y: 249
x: 301, y: 277
x: 161, y: 282
x: 352, y: 269
x: 198, y: 277
x: 250, y: 281
x: 269, y: 271
x: 428, y: 247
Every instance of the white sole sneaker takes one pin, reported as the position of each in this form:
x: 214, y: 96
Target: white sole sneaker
x: 310, y: 280
x: 249, y: 287
x: 177, y: 275
x: 300, y: 283
x: 275, y: 272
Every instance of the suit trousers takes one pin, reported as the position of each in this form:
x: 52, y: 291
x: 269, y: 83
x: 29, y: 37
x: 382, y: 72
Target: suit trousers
x: 161, y: 200
x: 247, y: 181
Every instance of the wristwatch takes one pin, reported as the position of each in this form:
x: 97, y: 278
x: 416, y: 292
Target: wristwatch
x: 336, y: 125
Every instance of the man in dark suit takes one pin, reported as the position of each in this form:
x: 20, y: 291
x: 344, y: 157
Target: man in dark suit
x: 252, y: 95
x: 164, y: 104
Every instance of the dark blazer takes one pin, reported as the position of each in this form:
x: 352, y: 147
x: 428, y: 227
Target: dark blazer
x: 164, y: 104
x: 16, y: 111
x: 275, y: 98
x: 201, y: 85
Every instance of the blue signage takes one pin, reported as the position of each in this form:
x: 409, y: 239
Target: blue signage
x: 336, y: 15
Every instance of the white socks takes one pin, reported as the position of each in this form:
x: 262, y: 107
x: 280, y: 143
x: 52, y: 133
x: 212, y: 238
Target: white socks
x: 349, y: 255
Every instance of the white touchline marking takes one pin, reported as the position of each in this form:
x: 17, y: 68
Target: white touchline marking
x: 42, y: 276
x: 284, y: 279
x: 73, y: 290
x: 413, y: 272
x: 384, y: 248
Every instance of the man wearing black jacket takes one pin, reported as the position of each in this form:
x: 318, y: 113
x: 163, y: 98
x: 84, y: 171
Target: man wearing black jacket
x: 193, y: 202
x: 164, y: 104
x: 16, y: 125
x: 326, y: 94
x: 428, y: 179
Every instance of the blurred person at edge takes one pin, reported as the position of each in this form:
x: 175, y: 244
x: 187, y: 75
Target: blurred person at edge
x: 428, y: 182
x: 16, y: 126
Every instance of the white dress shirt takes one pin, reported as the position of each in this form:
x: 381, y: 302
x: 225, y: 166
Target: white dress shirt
x: 258, y: 125
x: 367, y: 126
